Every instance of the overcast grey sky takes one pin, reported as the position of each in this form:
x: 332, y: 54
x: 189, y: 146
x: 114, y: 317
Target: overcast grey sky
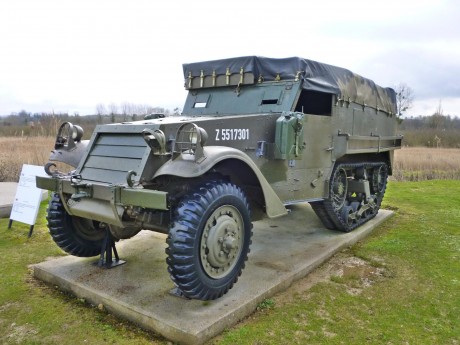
x: 68, y: 56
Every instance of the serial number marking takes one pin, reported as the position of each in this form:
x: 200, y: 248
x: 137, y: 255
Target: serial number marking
x: 232, y: 134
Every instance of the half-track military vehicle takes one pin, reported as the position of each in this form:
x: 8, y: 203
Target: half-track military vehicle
x: 256, y: 135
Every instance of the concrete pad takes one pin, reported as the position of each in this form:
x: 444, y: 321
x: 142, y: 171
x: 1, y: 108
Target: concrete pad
x: 7, y: 194
x: 283, y: 250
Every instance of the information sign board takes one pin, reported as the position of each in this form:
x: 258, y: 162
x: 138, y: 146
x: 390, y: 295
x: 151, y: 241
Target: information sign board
x: 28, y: 196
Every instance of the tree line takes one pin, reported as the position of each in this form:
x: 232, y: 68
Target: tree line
x: 437, y: 130
x: 24, y: 123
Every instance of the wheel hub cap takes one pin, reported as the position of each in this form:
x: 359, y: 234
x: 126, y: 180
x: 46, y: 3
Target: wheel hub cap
x: 222, y: 240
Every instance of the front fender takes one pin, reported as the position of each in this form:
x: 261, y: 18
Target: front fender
x: 71, y: 157
x: 183, y: 166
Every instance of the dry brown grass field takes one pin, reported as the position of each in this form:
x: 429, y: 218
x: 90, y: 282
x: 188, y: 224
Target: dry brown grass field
x: 423, y: 163
x: 16, y: 151
x: 411, y: 163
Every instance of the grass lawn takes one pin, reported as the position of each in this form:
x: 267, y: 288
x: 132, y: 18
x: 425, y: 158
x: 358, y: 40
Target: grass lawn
x: 405, y: 289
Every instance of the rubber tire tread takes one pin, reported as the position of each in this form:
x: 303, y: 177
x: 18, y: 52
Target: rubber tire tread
x: 183, y: 241
x: 62, y: 230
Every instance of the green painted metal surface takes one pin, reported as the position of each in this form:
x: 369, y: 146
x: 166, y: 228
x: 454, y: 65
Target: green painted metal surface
x: 274, y: 127
x: 144, y: 198
x: 289, y: 136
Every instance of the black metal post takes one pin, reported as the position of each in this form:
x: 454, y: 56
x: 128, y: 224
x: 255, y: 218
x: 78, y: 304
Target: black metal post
x: 31, y: 229
x: 108, y: 245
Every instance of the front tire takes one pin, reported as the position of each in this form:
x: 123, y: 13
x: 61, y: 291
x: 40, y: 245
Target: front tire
x: 75, y: 235
x: 208, y: 242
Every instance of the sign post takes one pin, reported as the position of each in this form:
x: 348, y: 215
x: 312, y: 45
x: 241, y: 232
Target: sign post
x: 28, y: 197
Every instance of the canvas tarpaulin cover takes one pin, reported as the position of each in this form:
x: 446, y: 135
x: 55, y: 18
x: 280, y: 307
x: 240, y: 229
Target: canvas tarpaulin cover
x: 316, y: 76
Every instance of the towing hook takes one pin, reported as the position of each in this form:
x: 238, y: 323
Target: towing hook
x: 50, y: 172
x: 129, y: 179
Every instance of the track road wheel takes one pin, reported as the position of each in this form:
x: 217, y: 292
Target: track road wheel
x: 379, y: 179
x: 76, y: 236
x: 348, y: 216
x: 334, y: 205
x: 339, y: 188
x: 209, y: 239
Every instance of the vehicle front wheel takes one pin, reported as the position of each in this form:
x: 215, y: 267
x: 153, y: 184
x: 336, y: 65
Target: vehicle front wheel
x: 75, y: 235
x: 209, y: 239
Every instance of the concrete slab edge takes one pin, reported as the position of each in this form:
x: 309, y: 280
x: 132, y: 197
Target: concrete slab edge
x: 250, y: 307
x: 115, y: 307
x: 161, y: 327
x: 5, y: 210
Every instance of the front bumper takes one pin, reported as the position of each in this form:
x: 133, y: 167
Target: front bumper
x: 102, y: 202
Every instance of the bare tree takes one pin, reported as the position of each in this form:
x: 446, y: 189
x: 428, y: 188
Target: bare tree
x: 126, y: 109
x: 437, y: 119
x: 100, y: 109
x: 404, y: 98
x: 113, y: 110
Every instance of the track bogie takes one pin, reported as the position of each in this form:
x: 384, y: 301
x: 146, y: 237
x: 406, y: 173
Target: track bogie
x: 356, y: 192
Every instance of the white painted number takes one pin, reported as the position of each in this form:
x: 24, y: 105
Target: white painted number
x: 232, y: 134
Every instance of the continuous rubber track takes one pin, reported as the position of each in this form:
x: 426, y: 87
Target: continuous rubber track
x: 64, y: 231
x: 332, y: 218
x: 184, y: 240
x: 323, y: 215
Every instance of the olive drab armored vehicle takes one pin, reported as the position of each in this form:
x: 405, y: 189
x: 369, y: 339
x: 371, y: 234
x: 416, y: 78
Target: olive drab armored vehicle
x: 256, y: 135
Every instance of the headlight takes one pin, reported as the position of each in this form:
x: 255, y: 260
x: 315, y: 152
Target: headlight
x: 193, y: 136
x: 190, y: 139
x: 68, y: 135
x: 77, y: 132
